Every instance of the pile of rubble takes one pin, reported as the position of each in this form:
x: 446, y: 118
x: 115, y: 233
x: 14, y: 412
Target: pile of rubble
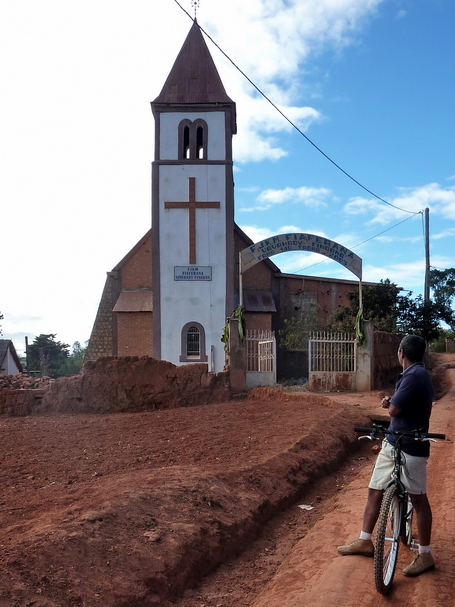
x: 21, y: 381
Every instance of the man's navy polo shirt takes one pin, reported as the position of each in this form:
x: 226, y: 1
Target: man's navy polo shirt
x: 414, y: 396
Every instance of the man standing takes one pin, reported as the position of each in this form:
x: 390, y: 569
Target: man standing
x: 409, y: 409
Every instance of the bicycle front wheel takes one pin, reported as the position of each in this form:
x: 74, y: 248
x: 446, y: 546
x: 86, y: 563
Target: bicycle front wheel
x: 388, y: 539
x: 406, y: 527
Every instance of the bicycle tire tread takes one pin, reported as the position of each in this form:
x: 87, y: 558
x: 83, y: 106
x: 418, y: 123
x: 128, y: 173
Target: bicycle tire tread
x: 384, y: 514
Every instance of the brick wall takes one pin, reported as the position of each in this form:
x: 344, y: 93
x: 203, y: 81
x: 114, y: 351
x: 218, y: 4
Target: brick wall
x: 121, y: 334
x: 101, y: 338
x: 258, y: 321
x: 136, y: 269
x: 258, y: 277
x: 386, y: 366
x: 134, y: 334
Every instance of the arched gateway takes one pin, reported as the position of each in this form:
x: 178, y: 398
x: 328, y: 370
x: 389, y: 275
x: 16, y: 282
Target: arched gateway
x: 283, y: 243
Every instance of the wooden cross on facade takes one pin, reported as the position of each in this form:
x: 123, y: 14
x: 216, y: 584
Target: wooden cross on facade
x: 192, y: 205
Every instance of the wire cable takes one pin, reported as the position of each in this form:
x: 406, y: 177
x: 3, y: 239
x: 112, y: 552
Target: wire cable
x: 292, y: 123
x: 359, y: 244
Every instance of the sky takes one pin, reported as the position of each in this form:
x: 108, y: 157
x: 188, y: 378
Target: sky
x: 370, y: 83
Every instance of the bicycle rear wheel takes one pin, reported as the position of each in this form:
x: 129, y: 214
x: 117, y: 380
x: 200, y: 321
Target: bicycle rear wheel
x: 387, y: 539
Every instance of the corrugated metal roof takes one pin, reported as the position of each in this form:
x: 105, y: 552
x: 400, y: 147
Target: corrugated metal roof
x: 134, y: 301
x: 258, y: 300
x: 193, y: 77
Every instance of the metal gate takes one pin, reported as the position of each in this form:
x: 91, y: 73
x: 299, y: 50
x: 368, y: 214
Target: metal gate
x: 332, y: 361
x: 261, y: 359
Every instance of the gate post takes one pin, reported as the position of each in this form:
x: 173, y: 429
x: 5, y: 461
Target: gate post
x: 365, y: 360
x: 237, y: 358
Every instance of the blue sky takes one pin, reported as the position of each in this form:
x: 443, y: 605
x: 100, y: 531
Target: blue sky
x: 370, y: 82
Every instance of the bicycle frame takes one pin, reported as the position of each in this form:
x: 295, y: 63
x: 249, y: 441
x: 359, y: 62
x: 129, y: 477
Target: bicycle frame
x: 402, y: 494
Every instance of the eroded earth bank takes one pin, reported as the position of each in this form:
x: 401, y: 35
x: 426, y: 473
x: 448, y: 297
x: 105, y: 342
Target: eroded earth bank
x: 141, y: 509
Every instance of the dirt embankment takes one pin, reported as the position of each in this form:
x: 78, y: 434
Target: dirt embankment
x: 131, y: 509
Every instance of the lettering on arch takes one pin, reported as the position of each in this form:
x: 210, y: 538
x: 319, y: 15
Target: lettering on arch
x: 282, y: 243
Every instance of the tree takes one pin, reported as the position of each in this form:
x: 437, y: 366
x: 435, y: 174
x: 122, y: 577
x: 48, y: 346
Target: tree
x: 72, y: 365
x: 442, y: 282
x: 297, y: 330
x: 419, y: 317
x: 389, y: 311
x: 47, y: 355
x: 379, y: 305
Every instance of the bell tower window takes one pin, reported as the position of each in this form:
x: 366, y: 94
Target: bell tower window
x: 193, y: 140
x: 186, y: 142
x: 200, y: 142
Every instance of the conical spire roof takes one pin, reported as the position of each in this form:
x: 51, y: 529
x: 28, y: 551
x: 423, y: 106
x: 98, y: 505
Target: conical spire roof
x: 193, y: 77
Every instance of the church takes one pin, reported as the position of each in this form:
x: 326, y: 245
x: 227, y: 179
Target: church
x: 170, y: 296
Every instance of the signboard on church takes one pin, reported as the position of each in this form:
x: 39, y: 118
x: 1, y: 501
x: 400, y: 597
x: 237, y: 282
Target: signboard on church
x: 282, y: 243
x: 192, y: 272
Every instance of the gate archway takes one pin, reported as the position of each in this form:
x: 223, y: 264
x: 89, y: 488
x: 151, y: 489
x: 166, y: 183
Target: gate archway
x: 311, y: 243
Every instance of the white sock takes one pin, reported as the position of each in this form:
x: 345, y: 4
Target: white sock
x: 365, y: 536
x: 423, y: 549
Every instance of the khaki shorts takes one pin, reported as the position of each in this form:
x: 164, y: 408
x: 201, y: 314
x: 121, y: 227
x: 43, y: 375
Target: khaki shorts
x: 413, y: 471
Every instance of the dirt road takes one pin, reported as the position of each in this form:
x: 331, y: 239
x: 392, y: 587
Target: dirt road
x: 314, y: 575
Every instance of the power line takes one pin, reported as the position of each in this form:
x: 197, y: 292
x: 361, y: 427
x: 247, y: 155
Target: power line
x: 360, y: 243
x: 292, y: 123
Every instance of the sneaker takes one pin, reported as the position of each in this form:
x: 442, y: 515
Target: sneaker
x: 358, y: 546
x: 421, y: 563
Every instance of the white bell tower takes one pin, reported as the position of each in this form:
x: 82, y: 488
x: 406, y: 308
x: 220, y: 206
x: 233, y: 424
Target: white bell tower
x: 192, y: 210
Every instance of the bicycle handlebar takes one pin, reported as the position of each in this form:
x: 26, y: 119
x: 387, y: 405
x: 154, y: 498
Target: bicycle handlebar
x: 417, y: 434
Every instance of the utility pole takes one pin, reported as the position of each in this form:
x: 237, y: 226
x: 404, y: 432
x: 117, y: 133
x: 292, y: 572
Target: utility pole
x: 427, y: 256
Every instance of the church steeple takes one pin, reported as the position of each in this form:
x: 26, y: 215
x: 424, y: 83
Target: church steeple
x: 193, y: 78
x: 192, y: 210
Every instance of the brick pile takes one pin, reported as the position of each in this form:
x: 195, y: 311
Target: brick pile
x: 21, y: 381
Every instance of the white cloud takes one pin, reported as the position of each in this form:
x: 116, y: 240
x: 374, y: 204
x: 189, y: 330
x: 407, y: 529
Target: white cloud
x: 257, y: 234
x: 309, y: 197
x: 389, y: 239
x: 282, y: 38
x: 405, y: 275
x: 448, y: 233
x: 438, y: 199
x: 258, y: 121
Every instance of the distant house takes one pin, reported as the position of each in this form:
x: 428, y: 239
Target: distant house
x: 9, y: 361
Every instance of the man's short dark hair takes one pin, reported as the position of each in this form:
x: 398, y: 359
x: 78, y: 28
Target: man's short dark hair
x: 413, y: 347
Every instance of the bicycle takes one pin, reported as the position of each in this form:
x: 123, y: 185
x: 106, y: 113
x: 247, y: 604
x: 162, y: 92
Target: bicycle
x: 396, y: 513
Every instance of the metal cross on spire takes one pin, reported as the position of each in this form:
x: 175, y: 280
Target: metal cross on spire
x: 195, y: 5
